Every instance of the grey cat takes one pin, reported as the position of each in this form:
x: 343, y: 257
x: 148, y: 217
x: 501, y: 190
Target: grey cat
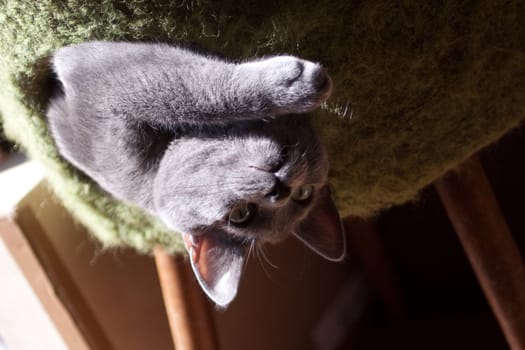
x: 221, y: 152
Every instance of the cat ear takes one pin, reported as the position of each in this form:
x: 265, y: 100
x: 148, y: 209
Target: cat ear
x: 217, y: 262
x: 322, y: 231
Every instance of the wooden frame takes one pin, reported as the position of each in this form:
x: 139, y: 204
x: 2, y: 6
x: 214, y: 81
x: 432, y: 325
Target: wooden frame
x: 481, y: 228
x: 188, y: 310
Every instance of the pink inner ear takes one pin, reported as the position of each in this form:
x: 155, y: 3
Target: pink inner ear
x: 322, y: 231
x: 217, y: 263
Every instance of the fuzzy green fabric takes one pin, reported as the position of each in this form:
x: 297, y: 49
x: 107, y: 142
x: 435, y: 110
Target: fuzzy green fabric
x: 418, y: 86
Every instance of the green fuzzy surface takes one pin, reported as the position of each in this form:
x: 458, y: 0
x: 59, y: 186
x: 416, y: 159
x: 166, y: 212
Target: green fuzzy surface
x: 418, y: 86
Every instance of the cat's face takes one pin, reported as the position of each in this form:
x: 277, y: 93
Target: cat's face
x: 247, y: 188
x: 254, y: 186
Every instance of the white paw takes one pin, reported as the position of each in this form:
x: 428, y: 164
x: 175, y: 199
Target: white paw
x: 292, y: 85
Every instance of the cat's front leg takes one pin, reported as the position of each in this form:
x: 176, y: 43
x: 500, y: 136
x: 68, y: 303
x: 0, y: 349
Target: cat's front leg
x: 283, y: 85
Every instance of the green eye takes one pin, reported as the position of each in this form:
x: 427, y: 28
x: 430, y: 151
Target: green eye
x: 242, y: 213
x: 303, y: 193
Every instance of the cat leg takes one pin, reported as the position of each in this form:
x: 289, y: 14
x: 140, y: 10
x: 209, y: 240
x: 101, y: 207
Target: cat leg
x: 283, y: 85
x: 165, y: 85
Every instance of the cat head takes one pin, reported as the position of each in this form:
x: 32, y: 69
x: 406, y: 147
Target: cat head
x: 248, y: 184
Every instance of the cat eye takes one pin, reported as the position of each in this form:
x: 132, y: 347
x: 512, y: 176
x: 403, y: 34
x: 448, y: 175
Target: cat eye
x: 303, y: 193
x: 242, y: 213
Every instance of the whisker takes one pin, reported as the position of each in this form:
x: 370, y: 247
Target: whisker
x: 261, y: 249
x: 251, y: 251
x: 261, y: 262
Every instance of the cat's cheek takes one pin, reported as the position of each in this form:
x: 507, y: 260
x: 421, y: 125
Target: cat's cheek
x: 165, y: 213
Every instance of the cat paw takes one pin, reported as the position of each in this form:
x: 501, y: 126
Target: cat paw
x: 291, y: 85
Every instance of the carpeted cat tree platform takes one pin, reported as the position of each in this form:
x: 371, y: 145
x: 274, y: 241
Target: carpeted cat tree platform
x: 418, y: 87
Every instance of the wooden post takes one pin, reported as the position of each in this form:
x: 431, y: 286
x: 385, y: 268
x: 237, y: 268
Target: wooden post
x: 189, y: 312
x: 366, y: 244
x: 479, y: 223
x: 3, y: 156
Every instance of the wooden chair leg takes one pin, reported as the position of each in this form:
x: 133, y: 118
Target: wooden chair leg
x: 367, y: 245
x: 479, y: 223
x: 3, y: 156
x: 189, y: 312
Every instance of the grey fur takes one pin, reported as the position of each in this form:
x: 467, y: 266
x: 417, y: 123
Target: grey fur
x: 186, y: 137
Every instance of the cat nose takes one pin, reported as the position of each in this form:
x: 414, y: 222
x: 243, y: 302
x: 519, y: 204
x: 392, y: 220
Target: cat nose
x: 279, y: 192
